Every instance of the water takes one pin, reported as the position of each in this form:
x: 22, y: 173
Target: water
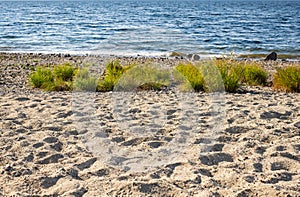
x: 151, y: 27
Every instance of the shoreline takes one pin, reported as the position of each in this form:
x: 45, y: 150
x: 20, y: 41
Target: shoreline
x: 172, y: 54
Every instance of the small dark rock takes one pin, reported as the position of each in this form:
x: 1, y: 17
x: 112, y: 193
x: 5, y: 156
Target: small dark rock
x: 196, y: 57
x: 285, y: 176
x: 118, y: 139
x: 216, y: 147
x: 29, y: 158
x: 171, y: 111
x: 102, y: 172
x: 22, y: 99
x: 202, y: 141
x: 271, y: 56
x: 154, y: 176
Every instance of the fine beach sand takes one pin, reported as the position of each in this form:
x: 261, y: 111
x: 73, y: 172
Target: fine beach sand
x: 50, y: 145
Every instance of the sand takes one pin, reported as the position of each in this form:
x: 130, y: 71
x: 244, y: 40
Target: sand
x: 143, y: 144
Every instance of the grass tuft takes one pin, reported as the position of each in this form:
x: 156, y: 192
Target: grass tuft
x: 41, y: 78
x: 65, y: 72
x: 143, y: 77
x: 231, y: 73
x: 113, y: 72
x: 193, y: 75
x: 58, y: 79
x: 287, y: 79
x: 254, y: 75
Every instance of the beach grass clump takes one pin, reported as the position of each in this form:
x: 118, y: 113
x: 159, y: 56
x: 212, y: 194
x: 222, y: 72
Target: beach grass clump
x: 193, y: 75
x: 287, y: 79
x: 65, y: 72
x: 42, y: 78
x: 58, y: 79
x: 254, y: 75
x: 113, y: 72
x: 84, y: 81
x: 231, y: 72
x: 144, y: 77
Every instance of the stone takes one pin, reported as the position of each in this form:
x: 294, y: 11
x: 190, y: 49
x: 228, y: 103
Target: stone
x: 196, y: 57
x: 271, y: 56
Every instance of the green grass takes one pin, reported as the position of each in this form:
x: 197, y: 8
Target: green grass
x: 113, y: 72
x: 42, y: 78
x: 65, y: 72
x: 210, y: 76
x: 143, y: 77
x: 287, y: 79
x: 254, y: 75
x: 235, y: 73
x: 222, y: 74
x: 193, y: 75
x: 58, y: 79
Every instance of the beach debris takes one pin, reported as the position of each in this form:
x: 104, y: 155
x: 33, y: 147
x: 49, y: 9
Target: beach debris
x: 271, y: 56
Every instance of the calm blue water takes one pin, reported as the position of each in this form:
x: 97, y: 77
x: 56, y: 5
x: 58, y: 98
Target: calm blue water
x: 152, y: 27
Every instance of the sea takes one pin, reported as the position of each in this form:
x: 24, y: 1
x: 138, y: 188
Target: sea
x: 150, y: 27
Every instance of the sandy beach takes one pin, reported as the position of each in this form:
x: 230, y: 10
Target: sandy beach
x: 90, y: 144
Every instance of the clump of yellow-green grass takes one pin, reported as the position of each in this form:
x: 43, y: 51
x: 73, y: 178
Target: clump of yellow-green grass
x: 254, y: 75
x: 287, y: 79
x: 113, y: 72
x: 144, y: 77
x: 133, y: 77
x: 243, y: 72
x: 222, y: 74
x: 58, y: 79
x: 231, y: 73
x: 193, y: 75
